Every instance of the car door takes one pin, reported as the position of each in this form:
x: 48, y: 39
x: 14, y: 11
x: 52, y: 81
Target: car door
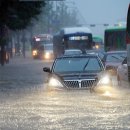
x: 124, y: 71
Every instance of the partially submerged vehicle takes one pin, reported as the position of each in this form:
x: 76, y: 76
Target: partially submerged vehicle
x: 77, y: 72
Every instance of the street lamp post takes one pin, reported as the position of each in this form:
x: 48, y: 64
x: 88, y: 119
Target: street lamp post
x: 128, y: 42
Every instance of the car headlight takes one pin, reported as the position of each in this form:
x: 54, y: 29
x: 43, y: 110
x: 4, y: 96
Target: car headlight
x: 97, y: 46
x: 47, y: 55
x: 34, y: 52
x: 105, y: 81
x: 53, y: 82
x: 107, y: 93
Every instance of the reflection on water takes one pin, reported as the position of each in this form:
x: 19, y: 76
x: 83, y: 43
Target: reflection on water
x: 56, y: 109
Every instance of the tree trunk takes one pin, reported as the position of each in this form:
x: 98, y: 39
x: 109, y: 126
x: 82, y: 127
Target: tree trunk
x: 17, y: 44
x: 11, y: 43
x: 2, y: 55
x: 3, y: 34
x: 23, y: 41
x: 24, y: 54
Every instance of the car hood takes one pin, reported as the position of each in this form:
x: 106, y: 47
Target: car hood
x: 76, y: 76
x: 114, y: 64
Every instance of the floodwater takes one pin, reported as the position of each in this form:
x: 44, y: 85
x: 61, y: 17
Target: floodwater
x: 26, y: 103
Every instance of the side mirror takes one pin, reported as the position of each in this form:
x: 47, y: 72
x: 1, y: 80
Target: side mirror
x: 47, y: 69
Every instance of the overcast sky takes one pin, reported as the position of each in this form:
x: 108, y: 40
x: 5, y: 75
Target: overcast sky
x: 102, y: 11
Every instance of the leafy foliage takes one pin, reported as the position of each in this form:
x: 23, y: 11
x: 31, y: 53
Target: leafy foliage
x: 17, y: 14
x: 57, y: 14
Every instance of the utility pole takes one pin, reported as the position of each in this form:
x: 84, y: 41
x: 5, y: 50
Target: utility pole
x: 128, y: 42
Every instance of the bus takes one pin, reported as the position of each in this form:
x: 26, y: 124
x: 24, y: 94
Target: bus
x: 98, y: 43
x: 39, y: 44
x: 115, y: 39
x: 72, y: 38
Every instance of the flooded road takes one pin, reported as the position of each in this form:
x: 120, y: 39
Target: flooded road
x: 26, y: 104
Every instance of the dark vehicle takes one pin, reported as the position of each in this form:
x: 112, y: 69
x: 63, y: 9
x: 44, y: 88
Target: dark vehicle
x: 72, y: 52
x: 38, y: 45
x: 98, y: 43
x: 74, y: 72
x: 72, y: 38
x: 113, y: 59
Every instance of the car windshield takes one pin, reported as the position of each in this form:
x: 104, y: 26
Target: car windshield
x: 48, y: 47
x: 117, y: 57
x: 69, y: 52
x: 78, y: 65
x: 45, y: 42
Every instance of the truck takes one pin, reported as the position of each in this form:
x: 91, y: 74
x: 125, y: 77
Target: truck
x: 42, y: 46
x: 98, y: 42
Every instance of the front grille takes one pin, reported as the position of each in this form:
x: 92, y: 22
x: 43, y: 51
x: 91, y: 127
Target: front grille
x: 79, y: 83
x: 87, y: 83
x: 71, y: 84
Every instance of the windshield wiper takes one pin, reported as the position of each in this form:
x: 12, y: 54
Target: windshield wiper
x: 115, y: 57
x: 86, y: 64
x: 122, y: 56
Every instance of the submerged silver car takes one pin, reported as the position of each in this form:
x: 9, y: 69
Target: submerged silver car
x: 122, y: 73
x: 74, y: 72
x: 112, y: 60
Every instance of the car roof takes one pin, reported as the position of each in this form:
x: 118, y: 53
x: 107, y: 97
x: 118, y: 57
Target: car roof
x: 77, y: 56
x: 111, y: 52
x: 73, y: 50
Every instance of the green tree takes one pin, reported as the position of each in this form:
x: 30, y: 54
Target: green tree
x: 16, y: 15
x: 64, y: 16
x: 57, y: 14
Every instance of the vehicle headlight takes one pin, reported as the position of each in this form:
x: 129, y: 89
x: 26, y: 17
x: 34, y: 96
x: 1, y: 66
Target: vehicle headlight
x: 53, y: 82
x: 47, y: 55
x: 34, y: 52
x: 97, y: 46
x: 105, y: 80
x: 107, y: 93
